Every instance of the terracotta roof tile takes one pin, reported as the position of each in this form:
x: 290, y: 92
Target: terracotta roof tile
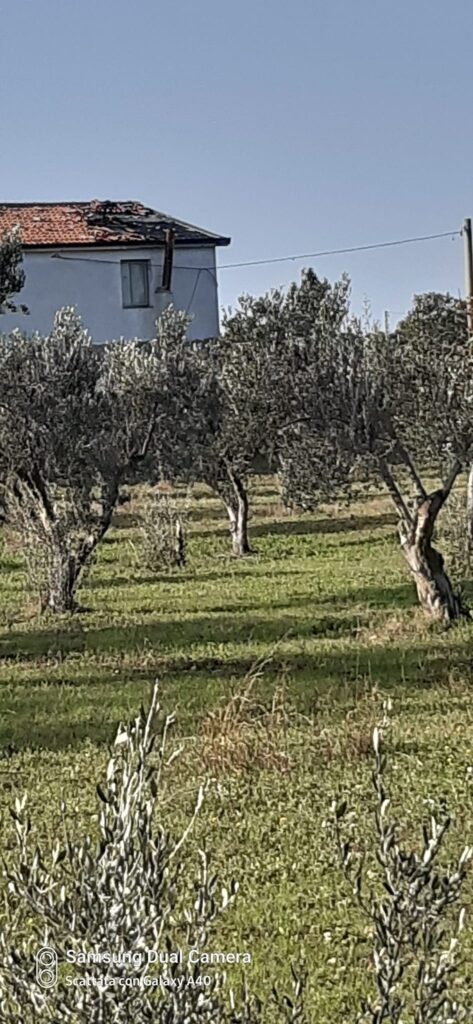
x: 99, y: 222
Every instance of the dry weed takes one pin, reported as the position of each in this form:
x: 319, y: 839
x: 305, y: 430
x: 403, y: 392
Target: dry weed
x: 352, y: 739
x: 391, y: 627
x: 243, y: 735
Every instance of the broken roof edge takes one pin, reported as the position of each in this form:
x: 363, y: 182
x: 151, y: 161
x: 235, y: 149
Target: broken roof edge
x: 92, y: 209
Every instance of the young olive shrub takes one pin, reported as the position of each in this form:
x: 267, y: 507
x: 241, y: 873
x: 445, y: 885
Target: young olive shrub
x: 163, y: 542
x: 128, y: 892
x: 415, y: 957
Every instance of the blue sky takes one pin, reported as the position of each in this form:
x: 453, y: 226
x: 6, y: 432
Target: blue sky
x: 293, y: 127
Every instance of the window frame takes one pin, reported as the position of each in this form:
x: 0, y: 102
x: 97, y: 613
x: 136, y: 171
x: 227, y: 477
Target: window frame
x: 135, y: 305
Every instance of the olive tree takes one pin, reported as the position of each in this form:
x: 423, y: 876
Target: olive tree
x: 12, y: 275
x: 225, y: 449
x: 267, y: 346
x: 438, y: 318
x: 400, y: 409
x: 430, y: 419
x: 211, y: 431
x: 75, y: 423
x: 233, y: 403
x: 278, y: 372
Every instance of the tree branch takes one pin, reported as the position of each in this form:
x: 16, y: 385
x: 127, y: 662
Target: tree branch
x: 421, y: 491
x: 452, y: 476
x: 429, y: 509
x: 34, y: 481
x: 141, y: 453
x: 394, y: 491
x: 95, y: 536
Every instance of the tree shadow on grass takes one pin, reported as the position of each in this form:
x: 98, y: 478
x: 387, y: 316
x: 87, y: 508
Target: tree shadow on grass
x: 222, y: 623
x: 8, y: 565
x: 376, y: 599
x: 293, y: 526
x: 400, y: 595
x: 125, y: 520
x: 92, y: 708
x: 232, y: 568
x: 169, y: 634
x: 212, y: 514
x: 301, y: 527
x: 98, y: 583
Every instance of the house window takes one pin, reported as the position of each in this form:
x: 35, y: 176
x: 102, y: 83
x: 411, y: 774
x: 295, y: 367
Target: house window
x: 135, y: 283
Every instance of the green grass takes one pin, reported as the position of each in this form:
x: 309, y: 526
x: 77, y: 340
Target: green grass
x: 325, y: 604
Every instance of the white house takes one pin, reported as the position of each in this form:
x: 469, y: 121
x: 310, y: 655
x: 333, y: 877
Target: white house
x: 119, y: 263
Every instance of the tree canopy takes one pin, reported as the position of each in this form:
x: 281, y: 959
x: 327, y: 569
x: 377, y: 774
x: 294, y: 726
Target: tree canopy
x: 295, y: 384
x: 12, y: 275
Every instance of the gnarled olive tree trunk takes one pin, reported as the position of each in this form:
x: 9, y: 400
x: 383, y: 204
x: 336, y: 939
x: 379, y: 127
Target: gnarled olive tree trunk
x: 67, y: 564
x: 236, y: 503
x: 232, y: 491
x: 180, y: 544
x: 416, y: 527
x: 56, y: 553
x: 62, y: 580
x: 434, y: 589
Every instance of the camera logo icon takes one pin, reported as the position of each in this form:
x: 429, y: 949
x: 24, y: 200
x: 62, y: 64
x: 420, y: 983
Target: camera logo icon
x: 46, y: 967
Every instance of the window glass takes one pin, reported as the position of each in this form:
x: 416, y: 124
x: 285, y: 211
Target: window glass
x: 135, y: 282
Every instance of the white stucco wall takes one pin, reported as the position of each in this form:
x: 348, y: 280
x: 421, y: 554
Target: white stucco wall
x: 91, y: 281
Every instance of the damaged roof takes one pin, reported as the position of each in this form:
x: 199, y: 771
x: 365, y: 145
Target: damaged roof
x: 98, y: 223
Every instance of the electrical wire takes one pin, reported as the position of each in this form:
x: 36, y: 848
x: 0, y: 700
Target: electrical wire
x: 284, y: 259
x: 196, y: 282
x: 337, y: 252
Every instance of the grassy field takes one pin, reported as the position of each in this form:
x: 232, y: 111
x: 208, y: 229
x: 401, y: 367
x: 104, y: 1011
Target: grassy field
x: 325, y: 609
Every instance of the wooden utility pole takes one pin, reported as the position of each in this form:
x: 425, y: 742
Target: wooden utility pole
x: 386, y: 323
x: 467, y: 240
x: 469, y: 319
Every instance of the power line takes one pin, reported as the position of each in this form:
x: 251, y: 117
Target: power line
x: 336, y: 252
x: 196, y: 282
x: 116, y: 263
x: 284, y: 259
